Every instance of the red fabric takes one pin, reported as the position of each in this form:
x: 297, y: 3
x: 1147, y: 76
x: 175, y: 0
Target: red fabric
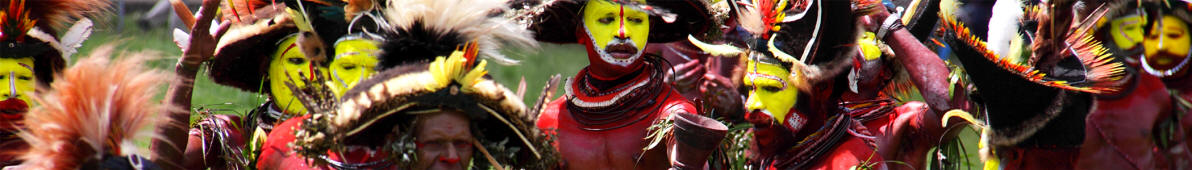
x: 852, y: 152
x: 1038, y: 158
x: 277, y: 154
x: 611, y: 149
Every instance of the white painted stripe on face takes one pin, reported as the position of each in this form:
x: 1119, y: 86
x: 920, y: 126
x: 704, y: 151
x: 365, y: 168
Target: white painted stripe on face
x: 12, y: 84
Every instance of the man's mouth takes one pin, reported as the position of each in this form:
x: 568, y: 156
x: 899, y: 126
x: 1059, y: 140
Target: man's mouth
x: 1166, y: 60
x: 621, y: 50
x: 13, y: 106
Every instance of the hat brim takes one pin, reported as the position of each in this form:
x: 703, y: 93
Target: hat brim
x: 1090, y: 69
x: 243, y: 54
x: 398, y: 94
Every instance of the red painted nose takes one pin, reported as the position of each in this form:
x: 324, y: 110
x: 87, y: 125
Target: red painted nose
x: 621, y: 33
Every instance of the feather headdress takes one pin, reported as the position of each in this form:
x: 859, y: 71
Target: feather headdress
x: 419, y: 30
x: 97, y: 109
x: 791, y: 33
x: 1150, y: 15
x: 395, y: 97
x: 1098, y: 73
x: 28, y: 28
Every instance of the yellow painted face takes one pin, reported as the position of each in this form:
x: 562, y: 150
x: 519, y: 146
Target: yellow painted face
x: 1127, y: 31
x: 769, y: 90
x: 869, y: 49
x: 1168, y: 44
x: 289, y: 65
x: 17, y: 82
x: 354, y: 62
x: 617, y: 32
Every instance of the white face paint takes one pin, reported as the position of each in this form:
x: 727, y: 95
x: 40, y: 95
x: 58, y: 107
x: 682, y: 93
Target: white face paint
x: 618, y: 59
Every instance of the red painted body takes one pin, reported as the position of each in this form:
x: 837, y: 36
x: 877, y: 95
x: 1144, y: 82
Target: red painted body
x: 619, y: 148
x: 1120, y: 134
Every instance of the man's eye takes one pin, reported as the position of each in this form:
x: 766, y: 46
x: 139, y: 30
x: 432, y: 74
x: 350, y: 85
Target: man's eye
x: 635, y: 20
x: 1174, y: 35
x: 771, y: 88
x: 462, y: 144
x: 430, y: 145
x: 296, y: 60
x: 349, y: 67
x: 24, y: 78
x: 605, y: 20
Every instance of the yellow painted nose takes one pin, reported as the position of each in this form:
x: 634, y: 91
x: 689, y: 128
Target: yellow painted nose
x: 753, y: 103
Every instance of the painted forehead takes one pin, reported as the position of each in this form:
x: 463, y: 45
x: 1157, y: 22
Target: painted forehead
x: 760, y: 71
x: 618, y: 3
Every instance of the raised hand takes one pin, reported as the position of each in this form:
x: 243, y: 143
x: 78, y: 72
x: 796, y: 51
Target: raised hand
x: 200, y: 46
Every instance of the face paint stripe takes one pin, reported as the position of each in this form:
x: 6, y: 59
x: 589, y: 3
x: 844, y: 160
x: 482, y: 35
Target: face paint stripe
x: 12, y: 84
x: 754, y: 75
x: 283, y: 53
x: 621, y: 31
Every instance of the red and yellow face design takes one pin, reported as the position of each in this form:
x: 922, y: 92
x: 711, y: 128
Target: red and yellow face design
x: 617, y: 33
x: 17, y: 81
x: 771, y: 94
x: 355, y: 60
x: 1166, y: 47
x: 290, y: 65
x: 1127, y: 31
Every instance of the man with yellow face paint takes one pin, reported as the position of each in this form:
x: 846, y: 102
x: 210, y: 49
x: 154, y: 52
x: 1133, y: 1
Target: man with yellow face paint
x: 355, y: 60
x: 804, y: 118
x: 290, y: 65
x: 601, y: 120
x: 17, y: 82
x: 1112, y: 139
x: 1166, y: 46
x: 32, y: 51
x: 269, y: 53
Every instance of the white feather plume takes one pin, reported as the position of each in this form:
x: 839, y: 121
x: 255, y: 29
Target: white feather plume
x: 473, y: 19
x: 74, y: 37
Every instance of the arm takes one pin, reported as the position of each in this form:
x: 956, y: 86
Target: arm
x: 201, y: 47
x: 926, y: 70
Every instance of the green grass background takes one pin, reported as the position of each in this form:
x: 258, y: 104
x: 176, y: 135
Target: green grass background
x: 536, y: 67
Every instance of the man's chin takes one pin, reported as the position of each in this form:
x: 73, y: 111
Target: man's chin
x: 446, y: 166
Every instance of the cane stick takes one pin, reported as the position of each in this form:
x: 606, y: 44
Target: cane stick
x: 486, y: 155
